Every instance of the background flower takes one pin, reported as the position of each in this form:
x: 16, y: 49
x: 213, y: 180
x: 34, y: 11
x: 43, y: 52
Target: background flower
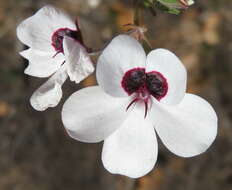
x: 55, y: 48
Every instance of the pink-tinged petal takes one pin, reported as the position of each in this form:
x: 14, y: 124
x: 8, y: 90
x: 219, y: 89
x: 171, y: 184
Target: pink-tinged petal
x: 37, y: 30
x: 41, y: 64
x: 132, y: 149
x: 166, y: 63
x: 79, y: 64
x: 187, y: 129
x: 122, y: 54
x: 90, y: 115
x: 50, y: 93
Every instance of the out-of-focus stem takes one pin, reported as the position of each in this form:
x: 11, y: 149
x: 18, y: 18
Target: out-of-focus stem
x: 137, y: 12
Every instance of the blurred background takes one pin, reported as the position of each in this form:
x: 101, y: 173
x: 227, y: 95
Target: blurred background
x: 35, y: 152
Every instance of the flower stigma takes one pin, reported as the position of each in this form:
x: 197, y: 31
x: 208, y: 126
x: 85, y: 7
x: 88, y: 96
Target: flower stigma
x: 144, y: 85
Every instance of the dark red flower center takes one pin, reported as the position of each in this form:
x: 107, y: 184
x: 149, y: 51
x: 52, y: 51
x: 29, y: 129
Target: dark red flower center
x: 144, y: 85
x: 58, y: 37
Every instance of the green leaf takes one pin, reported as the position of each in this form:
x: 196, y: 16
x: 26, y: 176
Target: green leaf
x: 174, y: 11
x: 170, y: 1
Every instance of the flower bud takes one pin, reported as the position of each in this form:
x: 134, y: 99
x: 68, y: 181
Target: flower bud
x: 176, y: 4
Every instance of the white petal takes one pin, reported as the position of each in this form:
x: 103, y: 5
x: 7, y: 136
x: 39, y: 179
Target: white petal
x: 50, y: 93
x: 187, y: 129
x: 42, y: 64
x: 172, y: 69
x: 122, y: 54
x: 90, y: 115
x: 79, y: 64
x: 132, y: 149
x: 36, y: 31
x: 25, y: 53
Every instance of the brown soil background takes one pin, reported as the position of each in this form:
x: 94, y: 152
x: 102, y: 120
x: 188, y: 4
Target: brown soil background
x: 35, y: 152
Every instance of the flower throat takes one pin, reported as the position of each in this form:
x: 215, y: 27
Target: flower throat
x: 58, y: 37
x: 144, y: 85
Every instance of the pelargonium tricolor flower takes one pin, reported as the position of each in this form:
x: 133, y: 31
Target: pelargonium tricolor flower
x: 56, y: 49
x: 137, y: 97
x: 176, y: 4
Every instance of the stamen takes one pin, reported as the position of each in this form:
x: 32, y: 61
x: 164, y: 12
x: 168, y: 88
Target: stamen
x: 133, y: 101
x: 146, y: 108
x: 56, y: 54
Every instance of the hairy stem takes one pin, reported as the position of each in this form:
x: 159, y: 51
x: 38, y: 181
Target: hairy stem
x: 138, y: 21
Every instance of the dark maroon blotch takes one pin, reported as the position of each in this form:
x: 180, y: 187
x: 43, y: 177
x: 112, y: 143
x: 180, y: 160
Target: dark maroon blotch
x: 58, y: 36
x: 133, y: 80
x: 156, y: 84
x: 144, y: 85
x: 152, y: 83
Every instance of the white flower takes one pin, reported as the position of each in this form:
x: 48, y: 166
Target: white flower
x: 138, y: 95
x: 55, y: 49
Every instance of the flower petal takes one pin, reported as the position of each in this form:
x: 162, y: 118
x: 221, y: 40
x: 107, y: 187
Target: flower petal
x: 132, y: 149
x: 36, y: 31
x: 79, y: 64
x: 173, y: 70
x: 187, y: 129
x: 41, y: 64
x: 25, y: 53
x: 90, y: 115
x: 50, y: 93
x: 122, y: 54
